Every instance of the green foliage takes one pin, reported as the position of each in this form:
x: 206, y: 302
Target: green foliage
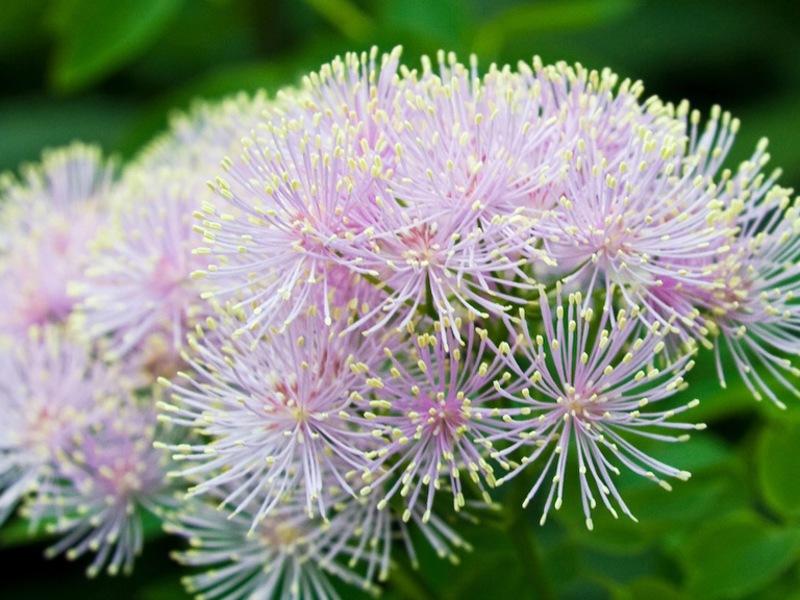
x: 737, y: 554
x: 546, y: 17
x: 95, y: 38
x: 777, y: 469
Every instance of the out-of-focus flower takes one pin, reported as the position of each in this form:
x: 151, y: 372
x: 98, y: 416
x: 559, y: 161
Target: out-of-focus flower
x: 287, y: 555
x: 199, y: 140
x: 137, y: 287
x: 50, y: 392
x: 103, y: 479
x: 47, y: 219
x: 589, y: 385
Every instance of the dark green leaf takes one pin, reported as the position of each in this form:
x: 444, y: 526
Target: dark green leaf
x: 539, y: 17
x: 346, y: 16
x: 19, y: 25
x: 778, y: 449
x: 648, y: 587
x: 736, y: 555
x: 94, y: 38
x: 31, y: 124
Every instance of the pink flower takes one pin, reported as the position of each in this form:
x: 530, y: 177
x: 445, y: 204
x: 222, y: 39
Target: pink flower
x: 104, y: 478
x: 275, y: 411
x: 50, y: 391
x: 48, y: 219
x: 137, y: 289
x: 589, y: 383
x: 432, y: 409
x: 754, y: 311
x: 302, y: 194
x: 288, y: 555
x: 647, y: 224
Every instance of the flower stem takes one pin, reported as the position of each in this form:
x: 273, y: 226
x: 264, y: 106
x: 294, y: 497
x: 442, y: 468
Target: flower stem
x: 430, y: 306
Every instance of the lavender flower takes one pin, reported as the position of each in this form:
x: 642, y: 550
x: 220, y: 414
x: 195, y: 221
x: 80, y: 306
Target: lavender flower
x: 137, y: 289
x: 432, y: 413
x: 287, y: 555
x: 645, y: 221
x: 199, y: 139
x: 50, y: 389
x: 754, y: 311
x: 47, y: 220
x: 104, y: 478
x: 454, y: 235
x: 309, y: 179
x: 277, y: 411
x: 588, y: 385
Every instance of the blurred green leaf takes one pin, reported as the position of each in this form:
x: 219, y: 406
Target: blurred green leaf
x: 30, y: 124
x: 776, y: 456
x: 15, y: 533
x: 19, y: 25
x: 779, y: 119
x: 736, y: 555
x: 553, y: 16
x: 225, y: 81
x: 651, y: 588
x: 442, y: 24
x: 94, y: 37
x: 346, y: 16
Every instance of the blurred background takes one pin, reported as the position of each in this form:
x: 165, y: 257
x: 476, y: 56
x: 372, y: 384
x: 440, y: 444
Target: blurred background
x: 112, y: 71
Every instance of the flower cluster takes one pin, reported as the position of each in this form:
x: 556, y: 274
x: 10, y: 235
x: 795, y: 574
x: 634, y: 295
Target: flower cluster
x: 400, y: 284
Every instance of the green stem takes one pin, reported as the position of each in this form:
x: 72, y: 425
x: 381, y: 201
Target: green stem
x: 430, y: 307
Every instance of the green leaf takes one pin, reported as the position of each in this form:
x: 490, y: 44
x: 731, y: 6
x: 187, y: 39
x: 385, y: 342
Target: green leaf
x: 776, y: 117
x: 32, y: 123
x: 442, y: 23
x: 94, y: 38
x: 346, y: 16
x: 736, y: 555
x: 546, y: 17
x: 776, y: 458
x: 651, y: 588
x: 16, y: 533
x: 20, y: 29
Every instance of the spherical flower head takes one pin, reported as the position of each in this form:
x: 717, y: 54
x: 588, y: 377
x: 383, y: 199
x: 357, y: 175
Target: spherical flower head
x: 48, y: 218
x: 105, y: 478
x: 589, y: 382
x: 431, y: 410
x: 274, y: 411
x: 50, y: 388
x: 138, y: 290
